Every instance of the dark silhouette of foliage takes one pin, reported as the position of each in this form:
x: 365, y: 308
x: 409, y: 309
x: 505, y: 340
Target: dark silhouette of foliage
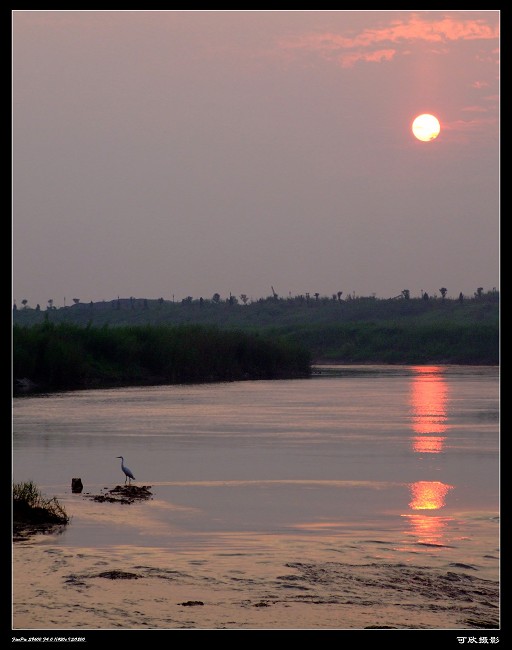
x: 472, y: 324
x: 67, y: 356
x: 400, y: 343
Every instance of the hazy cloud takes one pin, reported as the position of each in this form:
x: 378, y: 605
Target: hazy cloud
x: 474, y: 109
x: 176, y: 153
x: 415, y: 28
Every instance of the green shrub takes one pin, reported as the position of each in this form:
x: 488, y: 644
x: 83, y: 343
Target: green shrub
x: 67, y: 356
x: 30, y: 507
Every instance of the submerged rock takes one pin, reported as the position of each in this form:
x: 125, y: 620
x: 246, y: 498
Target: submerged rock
x: 124, y: 494
x: 118, y: 575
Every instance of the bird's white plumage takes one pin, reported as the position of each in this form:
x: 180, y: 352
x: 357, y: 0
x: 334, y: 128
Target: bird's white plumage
x: 127, y: 471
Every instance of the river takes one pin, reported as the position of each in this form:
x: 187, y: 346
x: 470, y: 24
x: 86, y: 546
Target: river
x: 334, y: 502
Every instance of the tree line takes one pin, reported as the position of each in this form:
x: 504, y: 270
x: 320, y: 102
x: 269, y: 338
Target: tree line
x: 144, y: 303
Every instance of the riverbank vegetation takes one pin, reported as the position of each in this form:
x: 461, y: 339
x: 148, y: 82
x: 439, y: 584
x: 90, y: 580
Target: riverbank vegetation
x: 67, y: 356
x: 407, y: 343
x: 32, y: 512
x: 137, y: 342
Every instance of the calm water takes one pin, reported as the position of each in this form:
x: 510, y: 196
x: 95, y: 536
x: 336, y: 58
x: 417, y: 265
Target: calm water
x: 407, y: 453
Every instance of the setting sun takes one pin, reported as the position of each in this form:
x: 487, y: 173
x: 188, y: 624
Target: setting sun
x: 426, y: 127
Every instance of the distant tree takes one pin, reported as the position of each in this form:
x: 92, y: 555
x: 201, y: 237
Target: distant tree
x: 160, y: 301
x: 425, y: 296
x: 443, y: 292
x: 274, y: 294
x: 76, y: 300
x: 187, y: 300
x: 478, y: 293
x: 216, y: 297
x: 340, y: 293
x: 201, y: 302
x: 406, y: 294
x: 24, y: 302
x: 244, y: 298
x: 38, y: 307
x: 50, y: 303
x: 461, y: 298
x: 317, y: 295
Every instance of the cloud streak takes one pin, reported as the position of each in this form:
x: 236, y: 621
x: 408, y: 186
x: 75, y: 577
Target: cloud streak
x: 348, y: 50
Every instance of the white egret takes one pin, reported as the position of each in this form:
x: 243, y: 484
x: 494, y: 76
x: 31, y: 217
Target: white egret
x: 128, y: 472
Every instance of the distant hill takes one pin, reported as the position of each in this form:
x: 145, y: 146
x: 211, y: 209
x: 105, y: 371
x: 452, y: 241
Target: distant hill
x: 365, y: 329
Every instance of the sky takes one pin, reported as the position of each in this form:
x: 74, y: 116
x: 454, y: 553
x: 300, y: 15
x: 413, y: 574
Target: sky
x: 187, y: 153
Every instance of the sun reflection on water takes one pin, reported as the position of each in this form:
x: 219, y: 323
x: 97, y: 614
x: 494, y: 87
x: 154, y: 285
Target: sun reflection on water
x: 427, y: 529
x: 429, y: 396
x: 429, y: 496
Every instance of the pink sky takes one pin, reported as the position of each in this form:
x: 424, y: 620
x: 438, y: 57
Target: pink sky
x: 175, y: 153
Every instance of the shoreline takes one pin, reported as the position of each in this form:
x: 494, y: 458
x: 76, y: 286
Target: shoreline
x: 25, y: 387
x: 158, y: 589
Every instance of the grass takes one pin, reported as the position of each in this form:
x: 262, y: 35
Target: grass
x: 65, y: 356
x: 31, y: 508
